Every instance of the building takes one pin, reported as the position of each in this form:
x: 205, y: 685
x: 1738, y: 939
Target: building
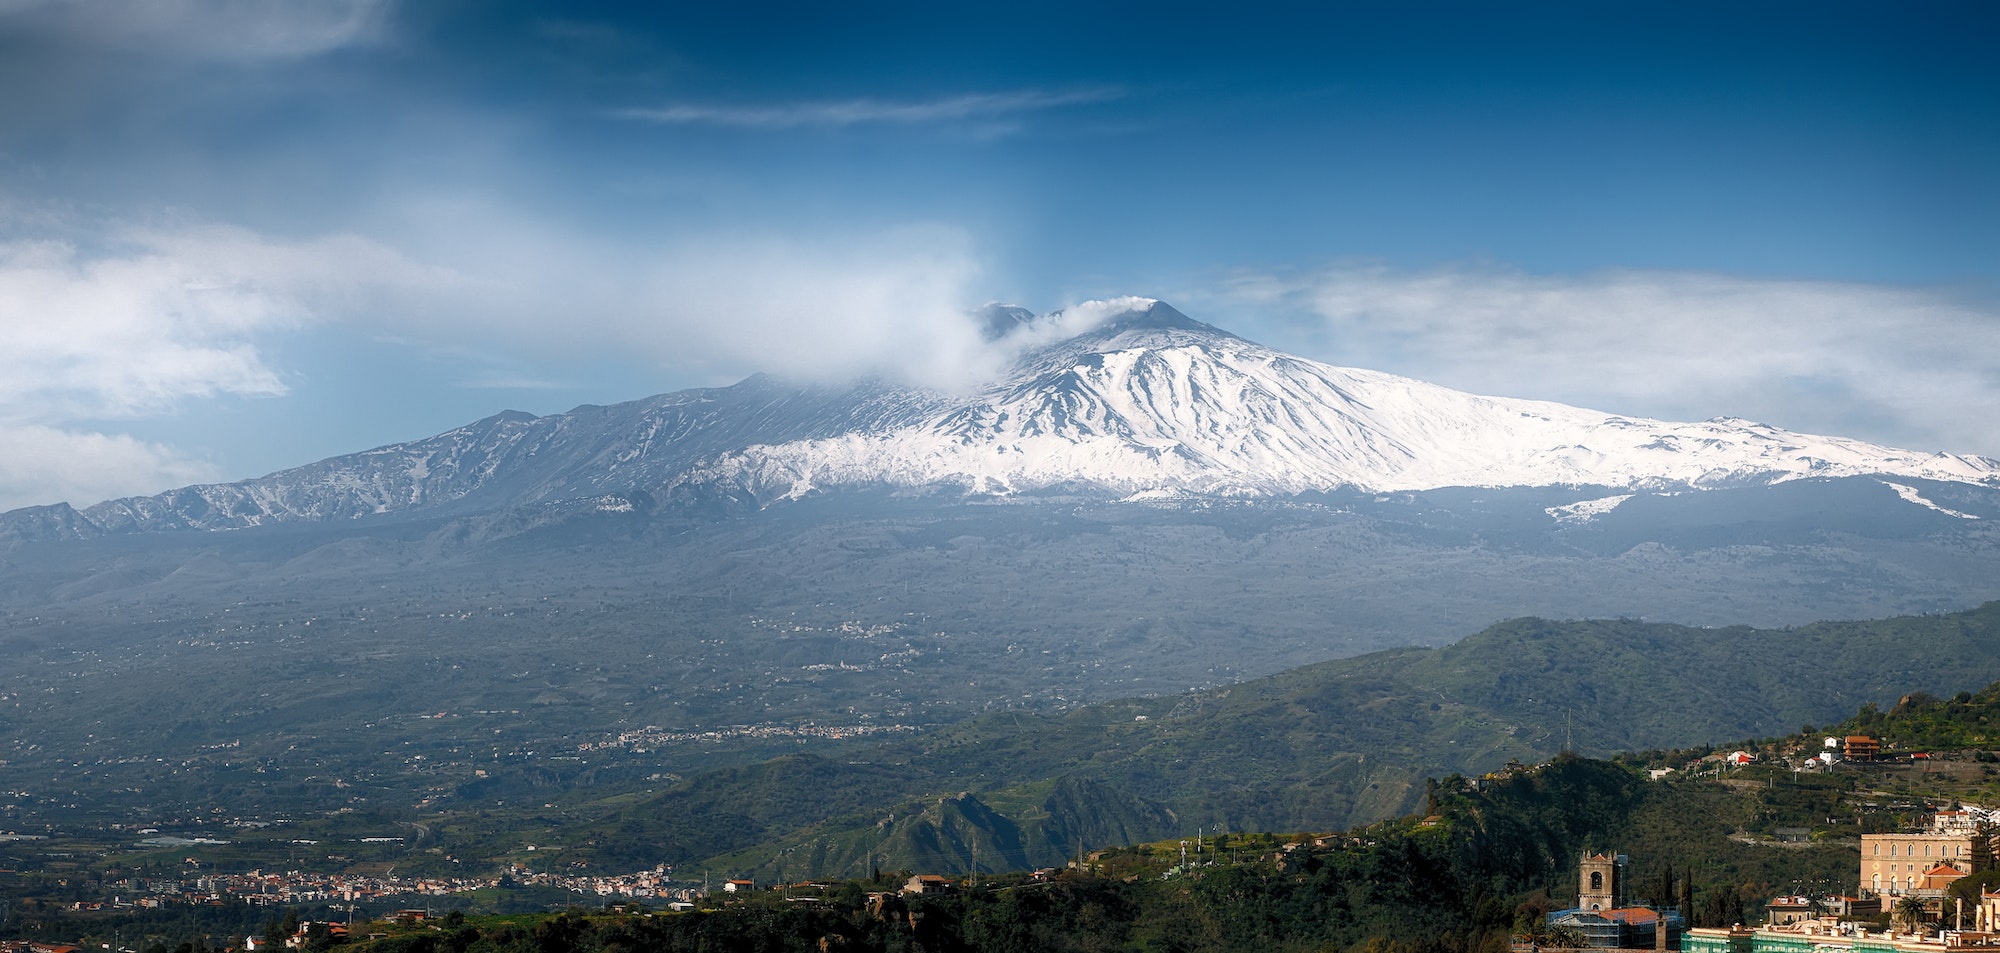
x: 1896, y: 864
x: 1598, y: 881
x: 1623, y: 928
x: 1783, y: 911
x: 1829, y: 935
x: 1954, y: 821
x: 927, y: 883
x: 1987, y: 917
x: 1939, y: 878
x: 1861, y: 748
x: 1604, y: 917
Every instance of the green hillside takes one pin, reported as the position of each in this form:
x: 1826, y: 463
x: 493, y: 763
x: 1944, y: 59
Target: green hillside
x: 1921, y: 721
x: 1485, y: 862
x: 1323, y: 747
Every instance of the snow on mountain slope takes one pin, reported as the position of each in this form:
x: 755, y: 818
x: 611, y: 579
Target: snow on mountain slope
x: 1125, y: 398
x: 1152, y: 400
x: 507, y: 459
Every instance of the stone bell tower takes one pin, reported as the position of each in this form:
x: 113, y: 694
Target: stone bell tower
x: 1597, y: 882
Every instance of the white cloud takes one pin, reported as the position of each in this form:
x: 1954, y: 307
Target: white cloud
x: 165, y: 314
x: 43, y: 464
x: 889, y: 304
x: 858, y: 111
x: 815, y: 304
x: 137, y: 321
x: 1900, y: 365
x: 229, y: 30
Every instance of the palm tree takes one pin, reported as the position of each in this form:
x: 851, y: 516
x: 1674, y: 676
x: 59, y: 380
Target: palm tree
x: 1564, y: 937
x: 1910, y: 913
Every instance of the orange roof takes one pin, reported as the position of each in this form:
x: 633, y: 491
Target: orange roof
x: 1637, y: 916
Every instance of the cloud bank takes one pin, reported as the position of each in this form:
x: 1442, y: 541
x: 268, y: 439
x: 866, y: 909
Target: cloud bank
x: 1912, y: 367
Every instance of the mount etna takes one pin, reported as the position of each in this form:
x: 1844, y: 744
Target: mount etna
x: 617, y: 598
x: 1146, y: 402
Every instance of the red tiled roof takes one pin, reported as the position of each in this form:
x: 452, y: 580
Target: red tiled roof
x: 1637, y: 916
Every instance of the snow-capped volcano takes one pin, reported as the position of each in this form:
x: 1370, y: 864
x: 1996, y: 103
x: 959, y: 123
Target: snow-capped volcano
x: 1111, y: 398
x: 1151, y: 400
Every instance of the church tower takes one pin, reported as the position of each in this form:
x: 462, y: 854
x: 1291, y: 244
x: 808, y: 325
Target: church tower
x: 1598, y: 883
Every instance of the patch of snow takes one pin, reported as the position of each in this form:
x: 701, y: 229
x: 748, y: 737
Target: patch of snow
x: 1910, y: 494
x: 1155, y: 495
x: 1584, y: 511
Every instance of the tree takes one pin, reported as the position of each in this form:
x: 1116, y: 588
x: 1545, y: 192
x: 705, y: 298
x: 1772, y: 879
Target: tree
x: 1721, y: 907
x: 1661, y: 893
x: 1968, y: 888
x: 1565, y: 937
x: 1910, y: 913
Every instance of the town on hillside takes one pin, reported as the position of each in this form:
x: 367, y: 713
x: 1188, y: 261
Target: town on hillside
x: 1906, y: 875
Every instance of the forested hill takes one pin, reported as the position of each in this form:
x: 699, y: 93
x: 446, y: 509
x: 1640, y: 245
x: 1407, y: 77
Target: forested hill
x: 1482, y: 864
x: 1318, y: 748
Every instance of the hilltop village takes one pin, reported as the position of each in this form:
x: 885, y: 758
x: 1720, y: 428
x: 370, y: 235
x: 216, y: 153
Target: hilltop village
x: 1922, y: 914
x: 1901, y: 897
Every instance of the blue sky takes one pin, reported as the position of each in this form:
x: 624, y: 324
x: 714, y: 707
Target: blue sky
x: 237, y: 236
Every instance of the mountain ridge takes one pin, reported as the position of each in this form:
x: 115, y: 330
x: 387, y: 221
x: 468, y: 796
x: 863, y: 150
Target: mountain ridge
x: 1143, y: 401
